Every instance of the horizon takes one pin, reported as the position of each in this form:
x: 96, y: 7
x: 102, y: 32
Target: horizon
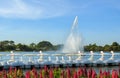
x: 36, y: 20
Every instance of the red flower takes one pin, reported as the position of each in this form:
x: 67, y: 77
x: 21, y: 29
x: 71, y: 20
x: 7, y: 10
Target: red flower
x: 51, y: 73
x: 75, y: 75
x: 94, y: 74
x: 45, y: 68
x: 119, y: 71
x: 41, y: 74
x: 27, y: 74
x: 88, y: 74
x: 62, y: 74
x: 100, y: 74
x: 10, y: 69
x: 80, y: 72
x: 114, y: 74
x: 5, y: 74
x: 68, y: 72
x: 35, y: 73
x: 108, y: 73
x: 85, y: 71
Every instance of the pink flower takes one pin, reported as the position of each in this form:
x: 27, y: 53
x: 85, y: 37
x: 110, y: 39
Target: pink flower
x: 45, y: 68
x: 75, y: 75
x: 68, y: 72
x: 94, y: 74
x: 41, y: 74
x: 80, y: 72
x: 10, y: 69
x: 62, y: 74
x: 27, y: 74
x: 5, y: 74
x: 88, y: 74
x: 101, y: 74
x: 108, y: 73
x: 85, y: 71
x: 51, y: 73
x: 114, y: 74
x: 119, y: 71
x: 35, y: 73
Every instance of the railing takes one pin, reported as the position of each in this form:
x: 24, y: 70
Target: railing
x: 68, y: 56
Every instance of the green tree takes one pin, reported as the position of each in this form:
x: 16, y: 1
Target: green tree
x: 7, y: 45
x: 115, y: 46
x: 100, y: 48
x: 32, y: 46
x: 93, y: 47
x: 87, y: 48
x: 23, y: 47
x: 44, y: 46
x: 107, y: 48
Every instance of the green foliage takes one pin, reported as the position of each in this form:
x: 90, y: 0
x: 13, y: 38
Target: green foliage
x: 32, y: 46
x: 7, y: 45
x: 23, y: 47
x: 115, y: 44
x: 107, y: 48
x: 57, y: 73
x: 93, y: 47
x: 43, y: 45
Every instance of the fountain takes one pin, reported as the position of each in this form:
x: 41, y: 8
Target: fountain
x: 73, y: 43
x: 73, y: 55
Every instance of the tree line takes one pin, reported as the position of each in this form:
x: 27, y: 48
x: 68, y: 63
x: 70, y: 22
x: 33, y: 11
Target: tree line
x: 94, y: 47
x: 43, y: 45
x: 47, y: 46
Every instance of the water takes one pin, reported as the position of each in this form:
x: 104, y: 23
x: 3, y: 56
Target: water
x: 74, y: 41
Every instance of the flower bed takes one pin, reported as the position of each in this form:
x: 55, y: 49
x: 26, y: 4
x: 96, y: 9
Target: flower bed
x: 59, y: 73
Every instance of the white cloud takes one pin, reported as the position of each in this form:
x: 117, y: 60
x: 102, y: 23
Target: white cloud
x: 37, y: 9
x: 32, y: 9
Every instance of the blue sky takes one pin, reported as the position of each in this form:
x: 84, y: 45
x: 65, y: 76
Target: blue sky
x: 28, y: 21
